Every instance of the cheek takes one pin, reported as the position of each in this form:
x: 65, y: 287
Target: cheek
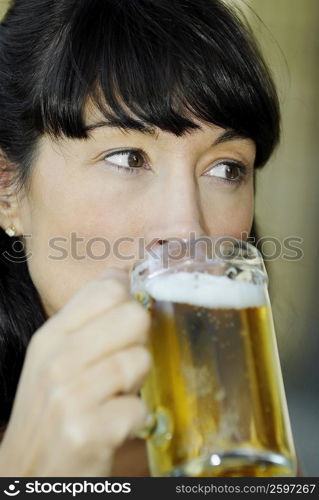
x: 72, y: 230
x: 230, y: 214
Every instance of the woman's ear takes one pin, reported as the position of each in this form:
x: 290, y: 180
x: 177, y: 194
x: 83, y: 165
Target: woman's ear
x: 9, y: 205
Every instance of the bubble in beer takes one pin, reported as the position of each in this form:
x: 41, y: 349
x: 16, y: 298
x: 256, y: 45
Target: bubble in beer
x: 206, y: 290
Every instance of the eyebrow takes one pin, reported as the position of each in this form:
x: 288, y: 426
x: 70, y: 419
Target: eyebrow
x: 230, y: 135
x: 227, y: 135
x: 146, y: 129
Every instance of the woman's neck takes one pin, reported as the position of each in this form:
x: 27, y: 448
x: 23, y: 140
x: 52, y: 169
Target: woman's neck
x: 131, y: 460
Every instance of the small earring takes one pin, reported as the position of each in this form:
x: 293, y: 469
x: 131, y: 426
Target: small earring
x: 11, y: 231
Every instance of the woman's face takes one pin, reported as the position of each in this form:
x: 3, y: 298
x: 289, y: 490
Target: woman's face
x: 95, y: 203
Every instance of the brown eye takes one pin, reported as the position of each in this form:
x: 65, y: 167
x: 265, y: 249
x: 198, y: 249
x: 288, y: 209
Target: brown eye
x: 135, y: 160
x: 232, y: 172
x: 127, y: 161
x: 227, y: 171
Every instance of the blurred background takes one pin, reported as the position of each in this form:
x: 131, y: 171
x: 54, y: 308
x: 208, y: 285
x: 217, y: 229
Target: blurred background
x: 287, y: 204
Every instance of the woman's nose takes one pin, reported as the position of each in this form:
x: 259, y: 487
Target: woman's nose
x: 176, y: 214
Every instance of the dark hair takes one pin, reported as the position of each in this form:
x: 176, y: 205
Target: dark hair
x: 143, y: 63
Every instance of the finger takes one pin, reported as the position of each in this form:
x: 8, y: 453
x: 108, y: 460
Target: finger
x: 123, y: 372
x: 121, y: 328
x: 95, y: 437
x: 92, y: 300
x: 118, y: 329
x: 122, y: 417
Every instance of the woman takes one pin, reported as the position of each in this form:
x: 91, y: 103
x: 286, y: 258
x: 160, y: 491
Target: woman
x: 120, y: 120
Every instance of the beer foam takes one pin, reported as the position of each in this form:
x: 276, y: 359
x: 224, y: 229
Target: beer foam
x: 206, y: 290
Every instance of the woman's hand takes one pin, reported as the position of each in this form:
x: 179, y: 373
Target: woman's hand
x: 77, y: 399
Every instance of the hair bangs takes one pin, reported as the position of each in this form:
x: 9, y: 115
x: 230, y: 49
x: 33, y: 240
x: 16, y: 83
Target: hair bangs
x: 157, y: 64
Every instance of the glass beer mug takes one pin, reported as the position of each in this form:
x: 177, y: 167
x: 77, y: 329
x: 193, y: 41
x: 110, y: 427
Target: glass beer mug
x: 215, y: 392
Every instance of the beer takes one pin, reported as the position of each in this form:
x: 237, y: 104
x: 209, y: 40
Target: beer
x: 215, y: 387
